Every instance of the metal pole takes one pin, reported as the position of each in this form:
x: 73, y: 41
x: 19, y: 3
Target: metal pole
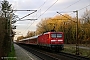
x: 10, y: 30
x: 77, y: 41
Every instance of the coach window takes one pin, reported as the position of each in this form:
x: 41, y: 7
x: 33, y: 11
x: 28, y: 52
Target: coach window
x: 59, y: 35
x: 53, y: 35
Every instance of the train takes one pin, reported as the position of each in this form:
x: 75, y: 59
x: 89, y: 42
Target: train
x: 49, y: 40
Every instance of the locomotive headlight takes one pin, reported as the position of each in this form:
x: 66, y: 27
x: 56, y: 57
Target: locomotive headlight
x: 60, y: 40
x: 53, y: 40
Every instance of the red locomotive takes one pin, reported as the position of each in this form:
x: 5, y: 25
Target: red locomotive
x: 51, y: 40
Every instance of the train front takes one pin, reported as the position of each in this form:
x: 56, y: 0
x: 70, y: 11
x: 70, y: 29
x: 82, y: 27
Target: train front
x: 57, y: 40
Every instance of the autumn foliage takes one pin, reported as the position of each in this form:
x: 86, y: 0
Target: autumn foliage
x: 67, y: 24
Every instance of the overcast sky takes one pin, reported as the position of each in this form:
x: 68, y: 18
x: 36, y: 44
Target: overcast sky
x: 45, y: 9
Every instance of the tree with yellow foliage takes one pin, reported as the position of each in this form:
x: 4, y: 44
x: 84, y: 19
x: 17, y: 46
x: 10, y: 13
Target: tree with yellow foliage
x: 59, y: 23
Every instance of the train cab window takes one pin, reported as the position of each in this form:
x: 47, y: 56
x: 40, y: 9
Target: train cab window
x: 59, y: 35
x: 53, y: 35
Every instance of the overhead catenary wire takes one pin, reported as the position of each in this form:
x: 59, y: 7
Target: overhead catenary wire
x: 39, y: 9
x: 78, y: 9
x: 42, y: 4
x: 45, y: 11
x: 71, y: 4
x: 74, y: 11
x: 28, y: 27
x: 55, y: 3
x: 34, y: 21
x: 84, y: 7
x: 48, y: 9
x: 67, y: 8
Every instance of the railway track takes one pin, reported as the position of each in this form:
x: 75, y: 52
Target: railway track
x: 48, y: 55
x: 37, y: 52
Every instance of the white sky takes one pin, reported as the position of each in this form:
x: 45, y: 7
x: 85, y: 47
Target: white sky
x: 41, y: 6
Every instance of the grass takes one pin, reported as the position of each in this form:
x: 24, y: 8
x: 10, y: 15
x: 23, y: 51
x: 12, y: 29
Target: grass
x: 72, y: 50
x: 69, y: 50
x: 84, y: 52
x: 11, y: 55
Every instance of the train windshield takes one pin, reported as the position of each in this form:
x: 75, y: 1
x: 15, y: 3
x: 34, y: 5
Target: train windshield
x: 59, y: 35
x: 53, y: 35
x: 56, y: 35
